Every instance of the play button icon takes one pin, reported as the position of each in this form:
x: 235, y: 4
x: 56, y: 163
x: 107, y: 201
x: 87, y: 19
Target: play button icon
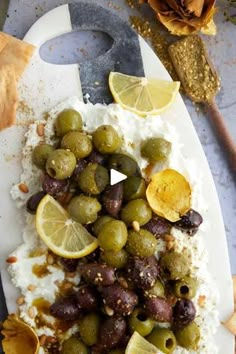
x: 116, y: 177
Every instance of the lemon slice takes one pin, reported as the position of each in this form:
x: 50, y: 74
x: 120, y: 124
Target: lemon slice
x: 141, y: 95
x: 64, y: 236
x: 139, y: 345
x: 169, y: 194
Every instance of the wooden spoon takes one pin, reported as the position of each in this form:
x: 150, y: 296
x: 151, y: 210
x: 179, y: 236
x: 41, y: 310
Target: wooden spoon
x: 201, y: 83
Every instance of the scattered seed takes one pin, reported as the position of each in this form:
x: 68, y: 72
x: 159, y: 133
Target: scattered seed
x: 123, y: 282
x: 23, y: 188
x: 40, y: 129
x: 109, y: 311
x: 50, y: 259
x: 42, y: 340
x: 169, y: 238
x: 67, y: 286
x: 31, y: 287
x: 70, y: 275
x: 136, y: 226
x: 31, y: 312
x: 51, y: 339
x: 20, y: 300
x: 169, y: 245
x: 11, y: 259
x: 201, y: 300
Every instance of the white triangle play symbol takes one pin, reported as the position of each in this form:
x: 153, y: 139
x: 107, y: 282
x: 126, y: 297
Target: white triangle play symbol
x: 116, y: 177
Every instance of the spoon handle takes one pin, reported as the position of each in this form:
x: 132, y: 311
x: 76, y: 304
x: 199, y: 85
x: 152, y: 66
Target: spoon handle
x: 221, y: 129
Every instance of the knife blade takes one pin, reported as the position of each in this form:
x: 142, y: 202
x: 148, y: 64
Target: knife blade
x: 4, y: 4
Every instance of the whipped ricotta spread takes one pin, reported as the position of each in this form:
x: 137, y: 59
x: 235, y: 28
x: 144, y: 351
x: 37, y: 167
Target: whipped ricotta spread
x: 134, y: 130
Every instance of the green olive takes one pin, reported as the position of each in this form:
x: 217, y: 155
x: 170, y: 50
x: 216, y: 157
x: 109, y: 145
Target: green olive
x: 155, y: 149
x: 163, y: 339
x: 157, y: 290
x: 141, y: 243
x: 136, y: 210
x: 124, y: 164
x: 67, y: 121
x: 78, y: 143
x: 89, y: 328
x: 40, y: 154
x: 93, y: 179
x: 106, y: 139
x: 174, y: 265
x: 189, y: 336
x: 134, y: 188
x: 60, y: 164
x: 113, y: 236
x: 115, y: 259
x: 139, y: 322
x: 84, y: 209
x: 185, y: 288
x: 100, y: 222
x: 74, y: 345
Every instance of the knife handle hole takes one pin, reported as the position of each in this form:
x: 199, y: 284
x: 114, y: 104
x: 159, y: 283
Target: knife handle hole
x: 75, y: 47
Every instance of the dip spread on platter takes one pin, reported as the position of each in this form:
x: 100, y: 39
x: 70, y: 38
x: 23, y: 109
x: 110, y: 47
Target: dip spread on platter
x: 45, y: 278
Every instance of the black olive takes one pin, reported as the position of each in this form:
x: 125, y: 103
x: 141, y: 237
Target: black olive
x: 143, y: 272
x: 33, y: 202
x: 189, y: 222
x: 158, y: 226
x: 184, y: 313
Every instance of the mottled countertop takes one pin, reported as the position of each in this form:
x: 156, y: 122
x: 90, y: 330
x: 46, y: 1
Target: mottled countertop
x: 222, y: 48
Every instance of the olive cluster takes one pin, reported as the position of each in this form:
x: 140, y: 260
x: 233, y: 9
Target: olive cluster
x: 123, y: 288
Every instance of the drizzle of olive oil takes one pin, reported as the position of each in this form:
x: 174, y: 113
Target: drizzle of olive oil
x: 41, y: 305
x: 40, y: 270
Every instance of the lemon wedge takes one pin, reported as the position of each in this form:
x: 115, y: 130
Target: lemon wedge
x: 169, y: 194
x: 64, y: 236
x: 141, y: 95
x: 139, y: 345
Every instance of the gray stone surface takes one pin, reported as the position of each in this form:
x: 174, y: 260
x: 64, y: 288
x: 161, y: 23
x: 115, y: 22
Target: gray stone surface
x: 222, y: 49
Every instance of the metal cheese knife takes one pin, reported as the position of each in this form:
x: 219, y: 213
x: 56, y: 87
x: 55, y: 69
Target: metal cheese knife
x: 3, y: 12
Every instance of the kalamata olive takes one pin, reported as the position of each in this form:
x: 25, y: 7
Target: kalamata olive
x: 54, y: 186
x: 158, y: 309
x: 189, y: 222
x: 66, y: 309
x: 124, y: 340
x: 97, y: 274
x: 33, y: 202
x: 96, y: 157
x: 87, y: 298
x: 121, y: 300
x: 158, y: 226
x: 69, y: 265
x: 184, y: 313
x: 112, y: 199
x: 143, y: 272
x: 112, y: 331
x: 80, y: 166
